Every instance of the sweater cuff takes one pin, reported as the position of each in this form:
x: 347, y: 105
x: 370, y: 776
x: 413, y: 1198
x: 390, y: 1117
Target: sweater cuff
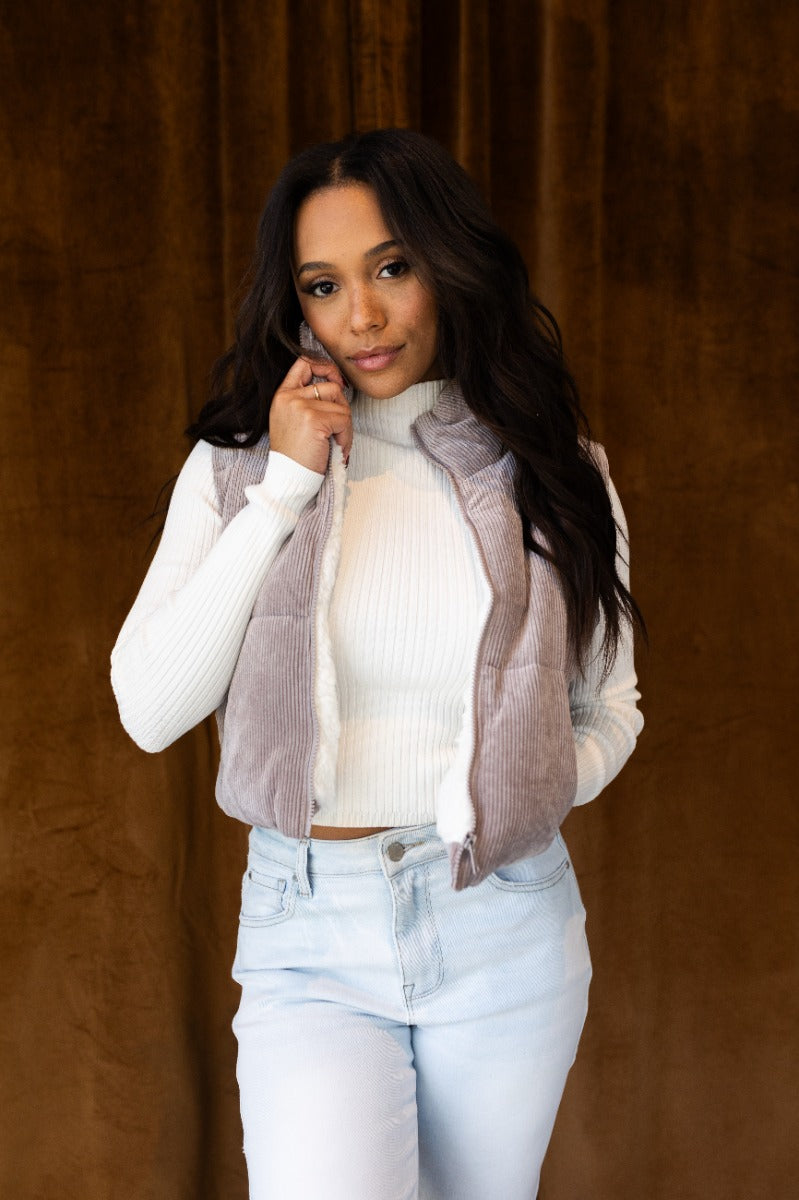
x: 285, y: 482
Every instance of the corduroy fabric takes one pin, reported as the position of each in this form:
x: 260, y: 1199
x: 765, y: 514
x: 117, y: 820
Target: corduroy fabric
x: 523, y: 773
x: 267, y: 724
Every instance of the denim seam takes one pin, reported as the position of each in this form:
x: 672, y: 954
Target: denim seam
x: 316, y: 873
x: 437, y: 942
x: 290, y: 896
x: 537, y: 885
x: 397, y: 953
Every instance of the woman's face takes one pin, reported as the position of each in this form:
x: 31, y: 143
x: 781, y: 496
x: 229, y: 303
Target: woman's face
x: 360, y: 295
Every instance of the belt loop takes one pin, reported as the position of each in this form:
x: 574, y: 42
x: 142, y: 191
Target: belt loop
x: 302, y: 867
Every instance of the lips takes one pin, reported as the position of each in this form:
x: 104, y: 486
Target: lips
x: 375, y: 358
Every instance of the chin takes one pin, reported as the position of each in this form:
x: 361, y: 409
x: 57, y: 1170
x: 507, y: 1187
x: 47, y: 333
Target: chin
x: 383, y: 388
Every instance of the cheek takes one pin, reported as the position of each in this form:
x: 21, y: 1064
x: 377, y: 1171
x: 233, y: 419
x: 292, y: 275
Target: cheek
x: 305, y: 310
x: 320, y: 328
x: 324, y: 331
x: 423, y: 317
x: 308, y: 311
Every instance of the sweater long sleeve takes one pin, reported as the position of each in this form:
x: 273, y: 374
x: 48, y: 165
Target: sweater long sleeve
x: 175, y: 654
x: 605, y: 716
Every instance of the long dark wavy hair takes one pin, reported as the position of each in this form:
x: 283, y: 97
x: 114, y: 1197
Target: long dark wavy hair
x: 494, y: 338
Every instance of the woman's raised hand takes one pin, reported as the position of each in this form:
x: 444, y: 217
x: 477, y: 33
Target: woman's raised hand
x: 304, y: 415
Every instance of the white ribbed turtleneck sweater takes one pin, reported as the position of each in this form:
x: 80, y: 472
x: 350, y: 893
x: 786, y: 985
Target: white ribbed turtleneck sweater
x: 407, y: 606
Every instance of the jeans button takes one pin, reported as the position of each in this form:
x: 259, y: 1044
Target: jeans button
x: 395, y: 851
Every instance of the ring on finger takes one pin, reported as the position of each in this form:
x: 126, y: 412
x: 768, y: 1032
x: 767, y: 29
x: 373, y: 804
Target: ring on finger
x: 316, y: 392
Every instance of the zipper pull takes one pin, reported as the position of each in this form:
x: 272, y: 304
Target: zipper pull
x: 468, y: 846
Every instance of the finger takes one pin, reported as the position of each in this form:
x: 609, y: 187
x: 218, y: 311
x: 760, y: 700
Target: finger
x: 298, y: 375
x: 304, y: 368
x: 337, y: 425
x: 325, y: 368
x: 344, y: 440
x: 302, y: 410
x: 339, y: 430
x: 323, y: 391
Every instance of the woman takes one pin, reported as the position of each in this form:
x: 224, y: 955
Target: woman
x: 395, y: 566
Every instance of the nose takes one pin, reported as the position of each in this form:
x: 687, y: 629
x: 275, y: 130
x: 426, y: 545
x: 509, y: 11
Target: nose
x: 366, y: 311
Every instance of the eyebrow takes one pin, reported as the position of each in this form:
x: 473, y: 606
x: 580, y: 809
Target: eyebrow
x: 326, y: 266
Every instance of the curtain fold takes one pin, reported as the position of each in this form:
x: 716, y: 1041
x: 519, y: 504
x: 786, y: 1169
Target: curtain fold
x: 384, y: 59
x: 644, y: 158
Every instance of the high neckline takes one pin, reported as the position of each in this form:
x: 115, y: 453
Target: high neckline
x: 390, y: 420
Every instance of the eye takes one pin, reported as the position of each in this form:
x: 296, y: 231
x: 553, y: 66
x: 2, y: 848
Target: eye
x: 395, y: 269
x: 320, y: 288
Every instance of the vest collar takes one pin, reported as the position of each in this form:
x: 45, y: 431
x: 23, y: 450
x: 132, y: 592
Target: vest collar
x: 452, y: 435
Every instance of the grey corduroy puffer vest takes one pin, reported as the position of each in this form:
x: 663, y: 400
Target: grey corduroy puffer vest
x: 522, y: 777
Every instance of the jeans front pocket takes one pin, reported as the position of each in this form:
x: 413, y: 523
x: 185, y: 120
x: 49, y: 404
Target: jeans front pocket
x: 535, y: 873
x: 268, y: 892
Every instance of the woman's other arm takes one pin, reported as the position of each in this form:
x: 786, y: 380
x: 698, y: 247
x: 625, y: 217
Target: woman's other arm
x: 175, y: 654
x: 605, y: 716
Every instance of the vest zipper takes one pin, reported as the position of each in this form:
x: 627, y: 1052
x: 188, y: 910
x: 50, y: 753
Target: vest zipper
x: 322, y: 544
x: 467, y: 845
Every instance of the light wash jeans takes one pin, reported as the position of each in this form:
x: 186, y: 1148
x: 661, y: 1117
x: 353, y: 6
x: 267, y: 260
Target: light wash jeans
x: 399, y: 1040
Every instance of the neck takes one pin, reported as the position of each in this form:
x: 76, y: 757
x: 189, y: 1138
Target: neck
x: 390, y: 419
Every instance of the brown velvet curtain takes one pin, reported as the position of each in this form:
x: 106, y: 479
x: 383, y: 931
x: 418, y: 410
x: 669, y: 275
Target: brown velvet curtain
x: 644, y: 155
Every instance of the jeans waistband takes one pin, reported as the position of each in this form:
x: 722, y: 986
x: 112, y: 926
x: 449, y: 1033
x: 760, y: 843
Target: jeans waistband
x: 389, y: 852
